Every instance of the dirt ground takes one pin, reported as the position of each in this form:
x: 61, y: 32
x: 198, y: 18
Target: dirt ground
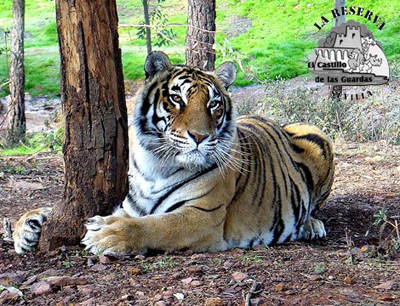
x: 348, y: 267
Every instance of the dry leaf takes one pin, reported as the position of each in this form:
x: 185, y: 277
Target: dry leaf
x: 239, y: 276
x: 279, y: 287
x: 386, y: 285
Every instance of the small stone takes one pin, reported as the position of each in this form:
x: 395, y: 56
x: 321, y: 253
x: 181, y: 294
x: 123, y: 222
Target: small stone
x: 256, y: 302
x: 41, y: 288
x: 140, y: 293
x: 10, y: 294
x: 347, y: 280
x: 365, y: 248
x: 98, y: 268
x: 157, y: 297
x: 386, y: 298
x: 385, y: 286
x: 104, y: 259
x: 213, y: 302
x: 195, y: 270
x: 88, y: 302
x: 258, y: 247
x: 140, y: 257
x: 109, y: 277
x: 29, y: 281
x: 87, y: 289
x: 239, y: 276
x: 227, y: 265
x: 160, y: 303
x: 62, y: 281
x: 179, y: 296
x: 167, y: 294
x: 314, y: 277
x: 187, y: 281
x: 11, y: 279
x: 90, y: 262
x: 196, y: 283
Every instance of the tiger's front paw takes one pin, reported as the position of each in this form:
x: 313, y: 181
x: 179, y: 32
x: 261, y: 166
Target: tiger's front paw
x: 313, y: 229
x: 28, y: 228
x: 110, y: 235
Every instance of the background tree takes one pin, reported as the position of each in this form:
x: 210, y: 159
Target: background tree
x: 336, y: 91
x: 16, y: 104
x: 96, y: 141
x: 147, y: 22
x: 154, y: 17
x: 200, y: 36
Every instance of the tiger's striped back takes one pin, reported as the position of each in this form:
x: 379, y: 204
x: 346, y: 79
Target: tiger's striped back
x: 287, y: 173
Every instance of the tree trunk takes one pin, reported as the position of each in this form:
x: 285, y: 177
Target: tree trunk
x: 338, y: 6
x: 96, y: 139
x: 336, y: 91
x: 147, y: 22
x: 16, y: 105
x: 200, y: 36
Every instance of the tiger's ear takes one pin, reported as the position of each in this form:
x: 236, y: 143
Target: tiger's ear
x: 226, y: 73
x: 156, y: 62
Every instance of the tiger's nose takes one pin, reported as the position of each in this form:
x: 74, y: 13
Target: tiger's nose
x: 197, y: 137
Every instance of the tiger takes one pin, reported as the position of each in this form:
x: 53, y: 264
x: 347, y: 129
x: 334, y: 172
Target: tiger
x: 203, y: 179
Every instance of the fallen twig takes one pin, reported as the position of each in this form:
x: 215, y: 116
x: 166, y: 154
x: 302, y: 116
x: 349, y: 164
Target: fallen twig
x: 251, y: 292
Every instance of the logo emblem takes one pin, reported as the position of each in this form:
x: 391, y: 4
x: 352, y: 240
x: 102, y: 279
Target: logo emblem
x: 350, y: 56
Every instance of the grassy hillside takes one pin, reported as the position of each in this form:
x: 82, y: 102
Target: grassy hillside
x: 273, y: 37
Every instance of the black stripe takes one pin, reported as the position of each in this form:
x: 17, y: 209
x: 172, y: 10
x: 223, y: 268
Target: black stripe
x: 136, y: 166
x: 295, y: 199
x: 296, y: 148
x: 279, y: 228
x: 135, y: 206
x: 205, y: 209
x: 35, y: 224
x: 309, y: 178
x: 179, y: 185
x: 179, y: 204
x: 314, y: 138
x: 175, y: 206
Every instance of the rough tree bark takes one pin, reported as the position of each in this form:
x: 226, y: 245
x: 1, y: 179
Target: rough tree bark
x: 200, y: 36
x: 16, y: 104
x: 96, y: 139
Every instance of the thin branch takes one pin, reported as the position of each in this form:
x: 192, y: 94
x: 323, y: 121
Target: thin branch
x: 251, y: 292
x: 169, y: 25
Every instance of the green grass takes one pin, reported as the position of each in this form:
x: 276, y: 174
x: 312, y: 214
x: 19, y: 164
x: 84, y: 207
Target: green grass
x: 34, y: 143
x: 21, y: 150
x: 278, y: 42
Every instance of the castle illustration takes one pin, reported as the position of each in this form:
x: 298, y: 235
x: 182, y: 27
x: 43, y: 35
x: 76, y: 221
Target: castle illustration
x: 352, y: 38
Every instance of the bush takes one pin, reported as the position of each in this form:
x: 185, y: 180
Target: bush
x: 364, y: 120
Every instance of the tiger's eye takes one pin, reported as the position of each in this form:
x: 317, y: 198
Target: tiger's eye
x: 213, y: 104
x: 176, y: 98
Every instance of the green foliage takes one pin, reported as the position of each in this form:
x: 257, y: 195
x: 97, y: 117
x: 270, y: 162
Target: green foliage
x: 251, y: 258
x: 36, y: 143
x: 163, y: 36
x: 389, y: 232
x: 67, y: 264
x: 19, y: 169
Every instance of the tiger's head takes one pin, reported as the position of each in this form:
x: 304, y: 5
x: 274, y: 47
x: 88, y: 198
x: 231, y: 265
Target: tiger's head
x: 185, y: 114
